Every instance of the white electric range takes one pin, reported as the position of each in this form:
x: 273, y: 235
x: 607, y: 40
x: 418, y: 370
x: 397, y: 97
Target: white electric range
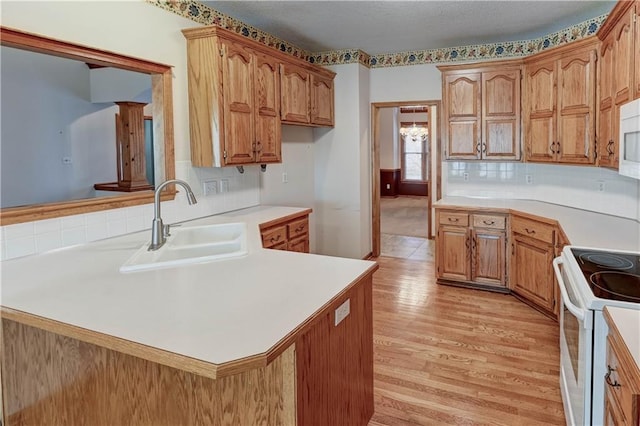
x: 590, y: 279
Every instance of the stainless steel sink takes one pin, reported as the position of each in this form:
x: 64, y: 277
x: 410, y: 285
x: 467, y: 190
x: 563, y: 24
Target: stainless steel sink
x: 192, y: 244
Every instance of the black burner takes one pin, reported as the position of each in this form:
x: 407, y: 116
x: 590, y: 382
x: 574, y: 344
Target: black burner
x: 606, y: 260
x: 611, y: 275
x: 621, y: 285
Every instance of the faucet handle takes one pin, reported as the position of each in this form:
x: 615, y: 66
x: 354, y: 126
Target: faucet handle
x: 166, y: 230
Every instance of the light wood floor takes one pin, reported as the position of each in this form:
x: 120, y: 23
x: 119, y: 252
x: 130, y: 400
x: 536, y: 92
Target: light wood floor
x: 451, y: 356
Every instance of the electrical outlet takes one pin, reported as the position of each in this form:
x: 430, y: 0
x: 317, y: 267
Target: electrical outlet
x: 285, y: 178
x: 210, y: 187
x: 224, y: 185
x: 465, y: 176
x: 388, y: 186
x: 601, y: 185
x: 528, y: 179
x: 342, y: 312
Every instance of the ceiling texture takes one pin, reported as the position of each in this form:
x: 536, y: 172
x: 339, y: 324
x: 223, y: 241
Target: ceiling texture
x: 399, y: 26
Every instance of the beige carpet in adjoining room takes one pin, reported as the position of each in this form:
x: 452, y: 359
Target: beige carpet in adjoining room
x: 406, y: 215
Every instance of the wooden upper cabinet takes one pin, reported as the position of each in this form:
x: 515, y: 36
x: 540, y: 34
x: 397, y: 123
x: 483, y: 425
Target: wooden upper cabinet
x: 576, y: 107
x: 623, y: 35
x: 607, y: 115
x: 501, y: 115
x: 540, y: 111
x: 238, y: 83
x: 267, y: 110
x: 238, y: 91
x: 560, y: 93
x: 295, y: 94
x: 322, y: 100
x: 462, y: 109
x: 482, y: 111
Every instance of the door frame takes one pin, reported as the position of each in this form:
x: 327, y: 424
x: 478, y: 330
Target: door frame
x: 375, y: 168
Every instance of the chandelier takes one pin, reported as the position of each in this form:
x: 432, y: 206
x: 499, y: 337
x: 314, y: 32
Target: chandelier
x: 415, y: 132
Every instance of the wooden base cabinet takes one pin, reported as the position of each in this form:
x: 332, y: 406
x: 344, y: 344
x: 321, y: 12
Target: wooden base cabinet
x: 290, y: 233
x: 532, y: 253
x: 622, y: 382
x: 321, y: 374
x: 470, y: 249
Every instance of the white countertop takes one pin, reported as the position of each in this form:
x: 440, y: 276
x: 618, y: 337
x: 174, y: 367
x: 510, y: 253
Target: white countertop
x: 583, y: 228
x: 627, y: 322
x: 216, y: 312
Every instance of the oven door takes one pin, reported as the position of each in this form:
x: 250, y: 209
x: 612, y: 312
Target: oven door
x: 576, y: 343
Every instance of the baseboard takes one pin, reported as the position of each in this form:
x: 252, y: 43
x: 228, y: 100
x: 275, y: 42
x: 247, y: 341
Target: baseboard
x: 368, y: 256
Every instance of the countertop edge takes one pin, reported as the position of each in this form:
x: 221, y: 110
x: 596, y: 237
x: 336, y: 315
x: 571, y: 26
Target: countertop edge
x: 172, y: 359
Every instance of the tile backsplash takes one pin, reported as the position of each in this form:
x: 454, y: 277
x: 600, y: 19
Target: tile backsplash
x: 43, y: 235
x: 589, y: 188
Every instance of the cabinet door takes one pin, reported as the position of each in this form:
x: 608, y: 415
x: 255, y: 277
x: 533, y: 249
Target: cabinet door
x: 576, y: 108
x: 606, y: 137
x: 321, y: 100
x: 488, y: 259
x: 623, y: 52
x: 237, y: 77
x: 294, y: 92
x: 540, y: 115
x: 501, y: 115
x: 463, y: 111
x: 636, y: 52
x: 453, y: 253
x: 268, y: 141
x: 300, y: 245
x: 532, y: 273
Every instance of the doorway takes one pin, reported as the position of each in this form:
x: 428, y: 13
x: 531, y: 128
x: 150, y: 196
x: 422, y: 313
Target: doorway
x: 405, y: 148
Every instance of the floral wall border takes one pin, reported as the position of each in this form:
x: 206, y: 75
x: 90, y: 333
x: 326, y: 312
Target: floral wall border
x: 205, y: 15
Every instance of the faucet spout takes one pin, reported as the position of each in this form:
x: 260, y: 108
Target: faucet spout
x: 159, y: 231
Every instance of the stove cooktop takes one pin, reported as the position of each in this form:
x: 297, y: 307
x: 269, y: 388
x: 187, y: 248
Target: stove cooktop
x: 611, y: 275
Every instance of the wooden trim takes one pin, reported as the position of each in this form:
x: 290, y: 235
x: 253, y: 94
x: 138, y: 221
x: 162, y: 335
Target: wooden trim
x: 570, y: 48
x: 480, y: 66
x: 212, y: 31
x: 414, y: 109
x: 619, y: 10
x: 162, y: 95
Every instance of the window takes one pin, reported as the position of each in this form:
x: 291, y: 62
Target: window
x: 414, y: 155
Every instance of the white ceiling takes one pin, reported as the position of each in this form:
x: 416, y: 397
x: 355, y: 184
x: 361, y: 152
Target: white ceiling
x: 396, y: 26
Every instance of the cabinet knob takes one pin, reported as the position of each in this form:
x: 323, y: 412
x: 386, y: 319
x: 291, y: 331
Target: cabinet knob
x: 489, y: 222
x: 453, y: 219
x: 530, y: 231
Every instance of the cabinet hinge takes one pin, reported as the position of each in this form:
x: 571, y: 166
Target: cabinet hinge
x: 224, y: 154
x: 221, y: 51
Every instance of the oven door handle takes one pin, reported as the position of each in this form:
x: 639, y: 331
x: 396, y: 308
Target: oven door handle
x: 577, y: 312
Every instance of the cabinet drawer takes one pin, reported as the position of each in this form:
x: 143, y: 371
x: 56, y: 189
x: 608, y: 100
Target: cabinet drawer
x: 298, y: 227
x: 274, y: 236
x: 300, y: 245
x: 489, y: 221
x: 530, y: 228
x: 454, y: 218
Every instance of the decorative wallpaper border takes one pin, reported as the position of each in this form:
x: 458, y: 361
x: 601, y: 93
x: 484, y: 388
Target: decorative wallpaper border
x: 502, y: 50
x: 205, y: 15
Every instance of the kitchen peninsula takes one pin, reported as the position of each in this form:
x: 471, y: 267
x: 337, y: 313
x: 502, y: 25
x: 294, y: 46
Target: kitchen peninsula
x: 252, y: 340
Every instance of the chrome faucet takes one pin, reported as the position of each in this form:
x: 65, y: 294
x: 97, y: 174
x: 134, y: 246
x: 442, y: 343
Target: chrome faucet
x: 159, y: 231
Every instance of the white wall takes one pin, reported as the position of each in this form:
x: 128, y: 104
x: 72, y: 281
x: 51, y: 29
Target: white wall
x: 145, y: 31
x: 116, y: 85
x: 47, y: 116
x: 297, y: 163
x: 341, y: 163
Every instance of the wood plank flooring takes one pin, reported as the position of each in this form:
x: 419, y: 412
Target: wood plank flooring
x: 452, y: 356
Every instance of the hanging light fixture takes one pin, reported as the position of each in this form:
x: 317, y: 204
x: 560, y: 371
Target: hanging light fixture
x: 414, y: 132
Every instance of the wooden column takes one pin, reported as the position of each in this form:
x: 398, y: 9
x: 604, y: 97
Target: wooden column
x: 130, y: 150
